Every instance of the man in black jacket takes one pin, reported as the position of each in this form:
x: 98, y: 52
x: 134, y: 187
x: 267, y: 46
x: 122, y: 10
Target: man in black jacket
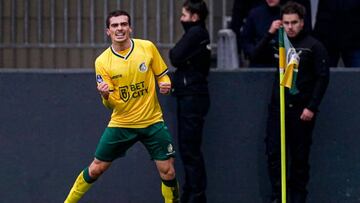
x: 301, y: 108
x: 338, y: 28
x: 191, y: 58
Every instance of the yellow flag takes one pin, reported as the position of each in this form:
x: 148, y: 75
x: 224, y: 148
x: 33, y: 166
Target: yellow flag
x: 291, y: 66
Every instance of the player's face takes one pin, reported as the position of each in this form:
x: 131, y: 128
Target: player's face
x: 292, y: 24
x: 186, y: 16
x: 273, y: 3
x: 119, y: 29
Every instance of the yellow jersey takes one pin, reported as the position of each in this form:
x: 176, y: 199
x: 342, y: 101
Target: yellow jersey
x: 131, y: 76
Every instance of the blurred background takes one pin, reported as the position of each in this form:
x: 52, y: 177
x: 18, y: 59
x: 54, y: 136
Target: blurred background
x: 71, y: 33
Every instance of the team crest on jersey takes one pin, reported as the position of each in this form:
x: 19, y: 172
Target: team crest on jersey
x: 143, y: 67
x: 99, y: 79
x: 124, y: 93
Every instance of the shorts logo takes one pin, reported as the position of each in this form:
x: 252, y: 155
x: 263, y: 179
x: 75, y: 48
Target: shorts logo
x: 124, y: 93
x: 99, y: 79
x: 142, y: 67
x: 170, y: 149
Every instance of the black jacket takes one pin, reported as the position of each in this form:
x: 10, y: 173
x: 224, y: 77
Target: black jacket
x: 256, y: 42
x: 191, y: 58
x: 338, y: 23
x: 313, y: 76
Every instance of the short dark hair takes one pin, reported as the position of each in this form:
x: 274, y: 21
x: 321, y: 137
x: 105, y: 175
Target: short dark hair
x: 117, y: 13
x: 197, y: 7
x: 294, y: 8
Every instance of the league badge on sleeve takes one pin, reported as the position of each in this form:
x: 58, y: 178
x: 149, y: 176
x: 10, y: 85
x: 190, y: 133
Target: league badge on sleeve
x: 99, y: 79
x: 143, y: 67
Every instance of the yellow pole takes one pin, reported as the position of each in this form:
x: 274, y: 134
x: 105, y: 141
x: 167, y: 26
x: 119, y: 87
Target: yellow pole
x: 282, y: 64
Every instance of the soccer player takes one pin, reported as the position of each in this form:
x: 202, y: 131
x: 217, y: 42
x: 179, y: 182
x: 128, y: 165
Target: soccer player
x: 126, y: 73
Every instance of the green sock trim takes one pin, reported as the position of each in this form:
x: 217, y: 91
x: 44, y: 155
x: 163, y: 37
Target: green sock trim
x: 87, y: 177
x: 170, y: 183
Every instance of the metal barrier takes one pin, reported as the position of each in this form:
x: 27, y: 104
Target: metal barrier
x: 65, y: 25
x: 50, y: 23
x: 227, y: 53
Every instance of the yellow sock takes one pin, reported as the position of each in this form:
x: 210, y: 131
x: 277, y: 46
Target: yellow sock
x: 170, y: 193
x: 78, y: 190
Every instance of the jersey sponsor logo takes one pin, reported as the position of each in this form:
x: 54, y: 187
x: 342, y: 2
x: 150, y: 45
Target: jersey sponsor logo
x: 142, y: 67
x: 124, y: 93
x: 99, y: 79
x: 133, y: 91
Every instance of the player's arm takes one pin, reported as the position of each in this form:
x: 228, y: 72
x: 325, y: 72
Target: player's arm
x: 164, y: 83
x: 160, y: 70
x: 104, y: 90
x: 104, y: 86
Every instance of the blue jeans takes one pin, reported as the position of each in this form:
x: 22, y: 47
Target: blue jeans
x: 351, y: 57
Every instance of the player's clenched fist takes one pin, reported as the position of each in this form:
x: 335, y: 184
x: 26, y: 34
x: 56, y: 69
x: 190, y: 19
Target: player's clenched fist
x: 103, y: 89
x: 164, y: 87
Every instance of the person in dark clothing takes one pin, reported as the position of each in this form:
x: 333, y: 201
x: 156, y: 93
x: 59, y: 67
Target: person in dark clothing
x: 338, y: 28
x: 191, y: 58
x: 257, y: 40
x: 241, y: 12
x: 300, y: 108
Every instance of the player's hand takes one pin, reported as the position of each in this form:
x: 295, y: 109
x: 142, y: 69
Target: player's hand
x: 307, y: 115
x: 275, y: 25
x: 103, y: 89
x: 165, y: 87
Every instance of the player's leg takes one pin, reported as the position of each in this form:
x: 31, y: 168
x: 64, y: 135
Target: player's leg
x: 84, y: 181
x: 169, y: 185
x: 110, y: 147
x: 157, y: 140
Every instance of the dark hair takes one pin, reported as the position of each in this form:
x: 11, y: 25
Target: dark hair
x: 294, y: 8
x: 117, y: 13
x: 197, y: 7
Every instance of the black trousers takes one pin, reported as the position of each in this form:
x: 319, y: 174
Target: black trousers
x: 191, y: 112
x: 298, y: 142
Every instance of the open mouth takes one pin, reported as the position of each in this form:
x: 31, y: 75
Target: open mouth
x: 119, y: 34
